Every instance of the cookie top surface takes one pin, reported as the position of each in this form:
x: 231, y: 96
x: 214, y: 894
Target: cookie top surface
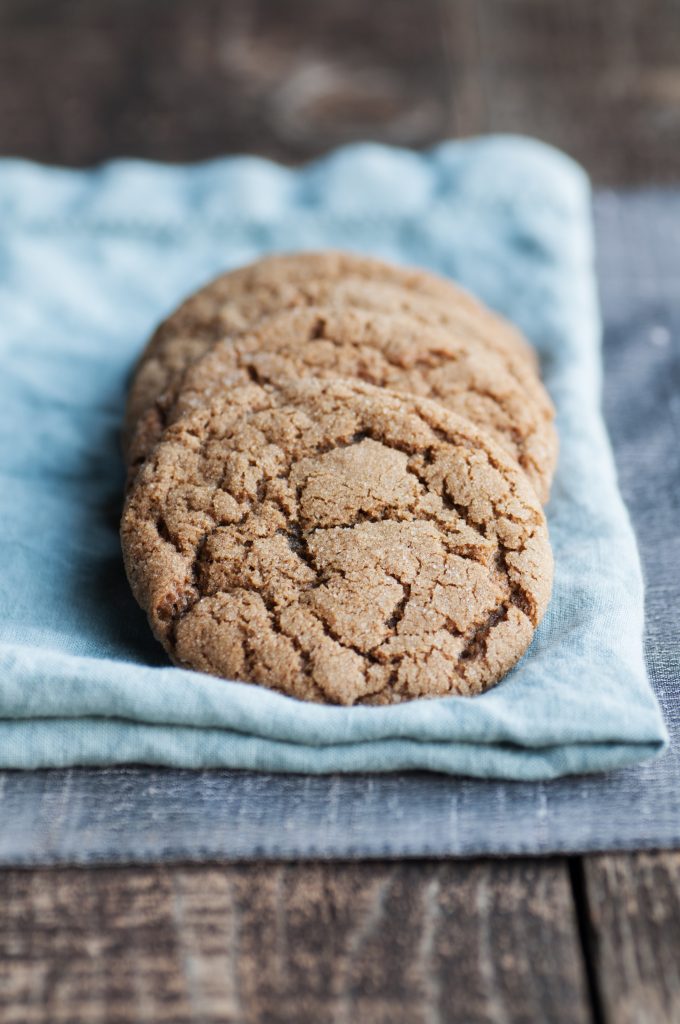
x: 396, y: 351
x: 338, y: 543
x: 237, y: 300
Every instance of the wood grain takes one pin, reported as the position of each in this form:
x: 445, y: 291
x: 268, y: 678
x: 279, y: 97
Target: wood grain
x: 84, y: 80
x: 412, y: 943
x: 180, y: 80
x: 598, y: 78
x: 633, y: 920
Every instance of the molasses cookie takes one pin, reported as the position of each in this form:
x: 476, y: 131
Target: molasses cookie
x: 389, y: 350
x: 339, y: 543
x: 237, y: 300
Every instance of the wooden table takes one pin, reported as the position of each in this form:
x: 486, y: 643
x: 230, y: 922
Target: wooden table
x: 594, y: 938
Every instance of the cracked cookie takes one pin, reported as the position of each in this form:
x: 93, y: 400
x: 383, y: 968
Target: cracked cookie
x: 339, y: 543
x: 389, y: 350
x: 237, y: 300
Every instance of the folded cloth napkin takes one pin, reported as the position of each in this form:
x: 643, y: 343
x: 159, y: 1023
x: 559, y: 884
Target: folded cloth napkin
x: 89, y: 261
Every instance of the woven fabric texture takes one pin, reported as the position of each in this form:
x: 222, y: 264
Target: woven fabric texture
x: 90, y: 260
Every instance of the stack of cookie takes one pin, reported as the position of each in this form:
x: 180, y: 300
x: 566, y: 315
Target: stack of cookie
x: 336, y: 476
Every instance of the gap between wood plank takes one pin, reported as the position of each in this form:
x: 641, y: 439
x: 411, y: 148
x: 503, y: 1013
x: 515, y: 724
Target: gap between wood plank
x: 580, y: 894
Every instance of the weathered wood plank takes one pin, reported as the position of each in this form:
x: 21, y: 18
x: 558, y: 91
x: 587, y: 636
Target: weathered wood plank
x: 633, y: 918
x: 598, y: 79
x: 411, y: 943
x: 82, y: 81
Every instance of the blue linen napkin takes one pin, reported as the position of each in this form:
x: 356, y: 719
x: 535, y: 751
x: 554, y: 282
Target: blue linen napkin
x: 89, y: 261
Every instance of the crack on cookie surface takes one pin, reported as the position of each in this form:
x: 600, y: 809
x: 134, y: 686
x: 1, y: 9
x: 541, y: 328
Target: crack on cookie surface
x: 476, y: 645
x: 400, y: 608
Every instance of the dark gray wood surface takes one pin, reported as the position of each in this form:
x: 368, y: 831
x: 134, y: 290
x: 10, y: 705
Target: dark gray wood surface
x: 590, y: 939
x: 405, y: 943
x: 83, y: 80
x: 409, y: 943
x: 632, y: 920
